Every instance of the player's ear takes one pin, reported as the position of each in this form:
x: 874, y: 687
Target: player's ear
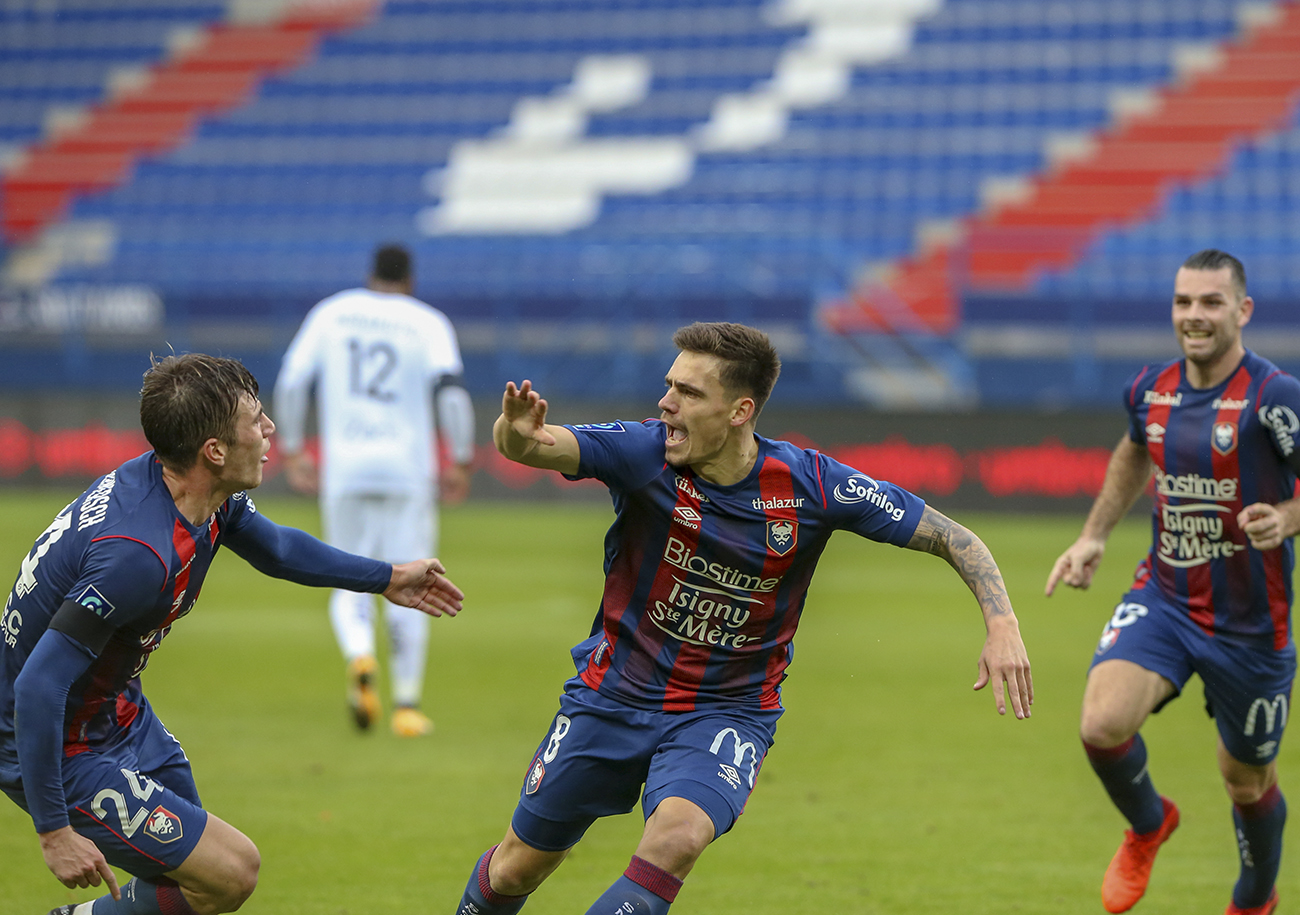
x: 743, y: 411
x: 1247, y: 311
x: 214, y: 452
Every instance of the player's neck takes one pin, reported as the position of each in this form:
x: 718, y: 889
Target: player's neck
x: 733, y: 463
x: 390, y: 286
x: 196, y: 492
x: 1215, y: 373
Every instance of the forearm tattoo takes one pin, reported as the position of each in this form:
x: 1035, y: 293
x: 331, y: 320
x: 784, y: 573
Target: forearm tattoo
x: 940, y: 535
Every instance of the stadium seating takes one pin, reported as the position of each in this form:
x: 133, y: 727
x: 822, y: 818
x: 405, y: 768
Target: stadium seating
x: 630, y: 164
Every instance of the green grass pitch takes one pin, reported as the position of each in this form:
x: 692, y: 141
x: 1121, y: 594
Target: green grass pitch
x: 893, y: 788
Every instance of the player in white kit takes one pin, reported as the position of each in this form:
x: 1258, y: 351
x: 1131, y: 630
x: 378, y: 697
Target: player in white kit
x: 383, y: 364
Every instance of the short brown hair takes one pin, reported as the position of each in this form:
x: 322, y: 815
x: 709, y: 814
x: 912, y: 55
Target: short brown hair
x: 749, y: 361
x: 189, y: 399
x: 1213, y: 259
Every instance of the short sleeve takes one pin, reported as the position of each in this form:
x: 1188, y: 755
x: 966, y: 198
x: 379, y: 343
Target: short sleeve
x: 120, y: 581
x: 443, y: 351
x: 622, y: 455
x: 1136, y: 432
x: 1279, y: 414
x: 871, y: 508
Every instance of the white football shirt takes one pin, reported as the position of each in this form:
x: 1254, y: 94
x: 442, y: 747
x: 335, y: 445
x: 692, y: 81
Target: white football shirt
x: 375, y: 358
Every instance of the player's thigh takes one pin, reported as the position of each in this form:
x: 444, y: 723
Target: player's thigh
x: 138, y: 822
x: 1141, y: 662
x: 1248, y: 692
x: 404, y: 527
x: 711, y: 760
x: 349, y: 523
x: 591, y: 763
x: 1118, y: 698
x: 223, y: 864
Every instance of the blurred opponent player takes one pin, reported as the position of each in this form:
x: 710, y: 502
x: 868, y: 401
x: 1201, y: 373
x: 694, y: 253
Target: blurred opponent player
x: 381, y: 361
x: 1213, y: 596
x: 707, y: 565
x: 80, y: 747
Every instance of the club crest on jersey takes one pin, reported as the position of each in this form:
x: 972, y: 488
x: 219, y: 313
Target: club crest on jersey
x: 1224, y: 437
x: 535, y: 775
x: 164, y: 826
x: 1108, y: 640
x: 782, y: 536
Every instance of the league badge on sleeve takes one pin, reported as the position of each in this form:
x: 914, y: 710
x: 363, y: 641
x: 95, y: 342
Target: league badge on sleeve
x: 1224, y: 438
x: 95, y: 602
x: 782, y: 536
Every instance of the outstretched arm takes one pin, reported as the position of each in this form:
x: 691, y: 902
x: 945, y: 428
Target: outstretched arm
x: 1003, y: 659
x: 424, y: 585
x: 1126, y: 475
x: 522, y: 434
x: 294, y: 555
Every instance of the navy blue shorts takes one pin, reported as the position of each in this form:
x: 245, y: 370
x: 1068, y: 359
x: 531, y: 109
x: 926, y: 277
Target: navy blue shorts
x: 137, y: 802
x: 599, y: 753
x: 1247, y: 688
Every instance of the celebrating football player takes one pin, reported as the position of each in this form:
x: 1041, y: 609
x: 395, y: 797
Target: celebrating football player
x: 1213, y: 596
x: 707, y: 565
x: 80, y: 748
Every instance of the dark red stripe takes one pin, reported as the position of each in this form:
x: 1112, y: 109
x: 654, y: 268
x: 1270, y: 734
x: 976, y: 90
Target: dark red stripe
x: 821, y: 487
x: 620, y: 583
x: 97, y: 693
x: 1200, y: 579
x: 655, y: 879
x: 185, y: 549
x: 777, y: 482
x: 1166, y: 383
x: 683, y: 687
x: 1274, y: 567
x: 1278, y: 608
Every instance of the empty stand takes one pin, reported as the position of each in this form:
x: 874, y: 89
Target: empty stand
x: 766, y: 157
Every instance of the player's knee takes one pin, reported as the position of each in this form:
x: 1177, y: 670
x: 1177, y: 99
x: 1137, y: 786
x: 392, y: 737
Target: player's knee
x: 1099, y: 729
x: 241, y: 876
x: 1246, y: 788
x: 676, y: 843
x: 518, y: 869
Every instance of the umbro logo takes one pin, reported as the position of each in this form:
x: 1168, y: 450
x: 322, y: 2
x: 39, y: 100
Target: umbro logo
x: 1155, y: 433
x: 684, y: 514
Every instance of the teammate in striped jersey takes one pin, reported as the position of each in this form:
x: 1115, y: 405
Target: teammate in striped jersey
x: 1213, y: 595
x: 707, y: 565
x: 81, y: 749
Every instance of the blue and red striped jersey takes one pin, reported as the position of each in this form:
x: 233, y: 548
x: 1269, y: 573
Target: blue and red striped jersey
x: 705, y: 584
x: 1217, y: 450
x: 123, y: 552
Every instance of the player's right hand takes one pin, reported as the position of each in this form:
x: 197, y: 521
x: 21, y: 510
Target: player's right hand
x: 76, y: 861
x: 424, y: 585
x: 525, y: 411
x: 1077, y: 565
